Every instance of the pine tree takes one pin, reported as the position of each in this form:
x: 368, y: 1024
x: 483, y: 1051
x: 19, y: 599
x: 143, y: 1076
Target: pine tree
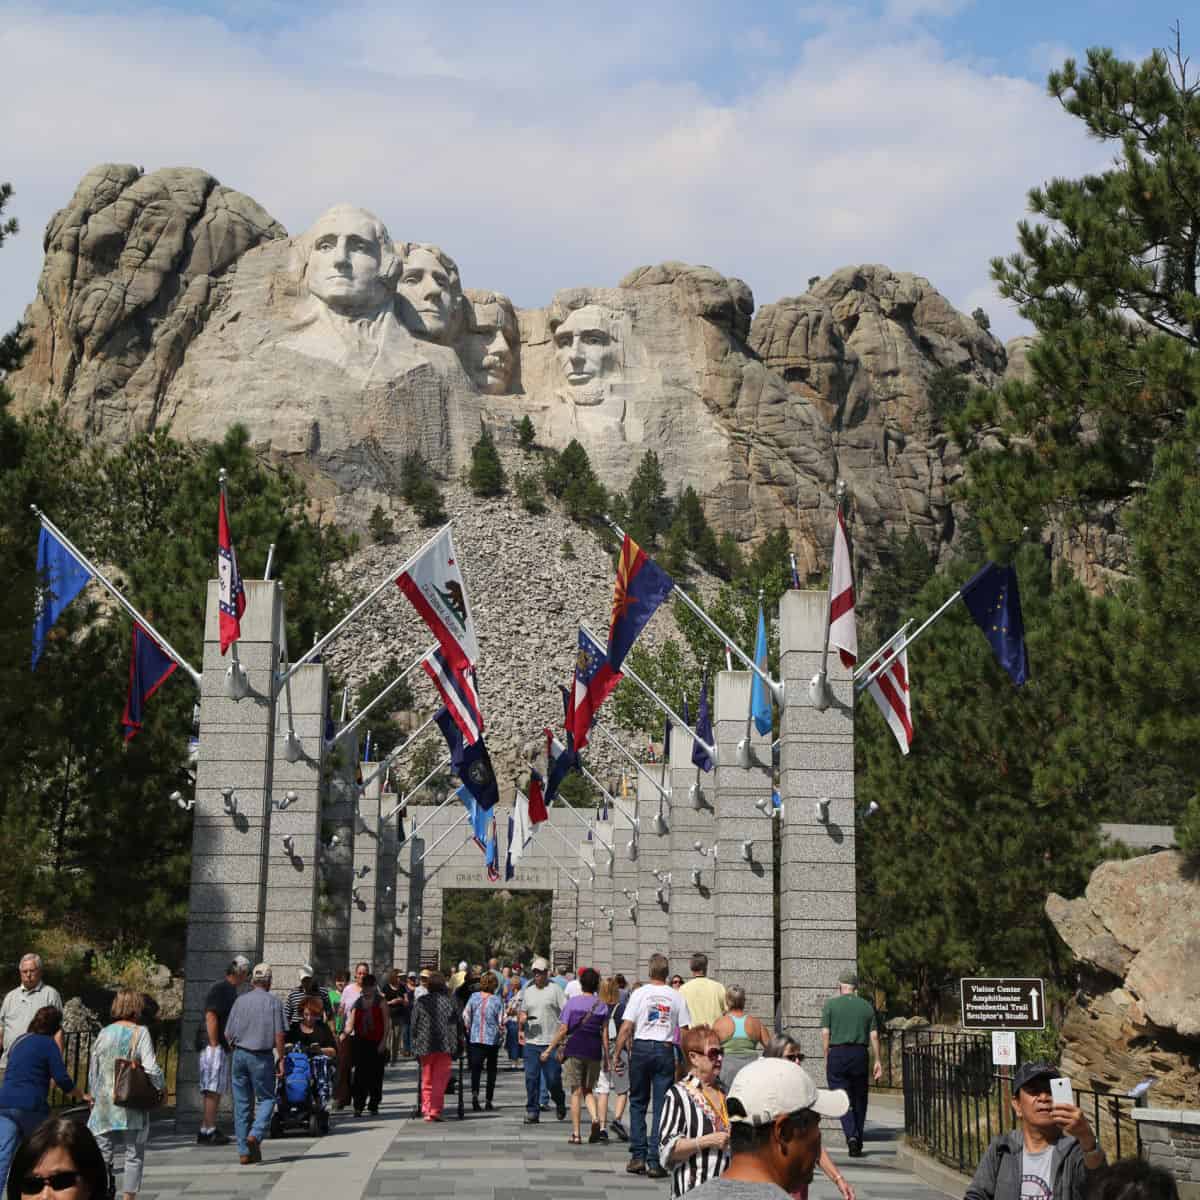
x: 647, y: 502
x: 380, y: 721
x: 419, y: 490
x: 525, y: 433
x: 569, y: 476
x: 486, y: 476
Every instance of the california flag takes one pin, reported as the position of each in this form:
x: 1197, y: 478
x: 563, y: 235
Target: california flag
x: 434, y: 585
x: 842, y: 633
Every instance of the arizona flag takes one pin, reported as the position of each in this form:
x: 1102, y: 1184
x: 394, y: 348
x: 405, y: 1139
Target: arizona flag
x: 842, y: 632
x: 149, y: 667
x: 594, y: 680
x: 457, y: 688
x: 890, y: 691
x: 231, y: 596
x: 642, y: 585
x: 434, y: 586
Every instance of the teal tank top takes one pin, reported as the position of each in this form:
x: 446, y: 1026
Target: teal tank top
x: 739, y: 1041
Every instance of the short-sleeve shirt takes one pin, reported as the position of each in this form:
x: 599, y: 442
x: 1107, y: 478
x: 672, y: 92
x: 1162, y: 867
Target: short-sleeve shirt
x: 371, y: 1021
x: 321, y: 1036
x: 705, y: 999
x: 849, y: 1019
x: 722, y: 1188
x: 220, y: 1000
x: 1037, y: 1175
x: 255, y: 1019
x: 585, y: 1018
x: 20, y: 1007
x: 657, y: 1012
x: 543, y: 1010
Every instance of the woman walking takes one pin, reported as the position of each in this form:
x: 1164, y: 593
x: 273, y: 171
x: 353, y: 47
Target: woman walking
x: 512, y: 1032
x: 694, y: 1133
x: 367, y: 1025
x: 111, y: 1122
x: 611, y: 1082
x: 584, y: 1028
x: 436, y: 1040
x: 484, y: 1019
x: 741, y: 1035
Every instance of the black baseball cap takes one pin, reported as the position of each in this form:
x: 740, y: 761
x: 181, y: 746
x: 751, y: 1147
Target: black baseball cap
x: 1028, y: 1072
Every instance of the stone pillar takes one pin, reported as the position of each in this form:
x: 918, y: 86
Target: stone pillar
x: 818, y: 932
x: 338, y: 819
x: 654, y: 855
x: 693, y: 819
x: 564, y: 915
x: 745, y: 919
x: 365, y: 880
x: 602, y: 894
x: 385, y: 886
x: 228, y: 871
x: 624, y: 883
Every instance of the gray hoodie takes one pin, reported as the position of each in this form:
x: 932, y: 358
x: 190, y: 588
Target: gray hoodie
x: 998, y: 1176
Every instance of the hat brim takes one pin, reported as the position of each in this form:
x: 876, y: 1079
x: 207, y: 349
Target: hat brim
x: 831, y: 1103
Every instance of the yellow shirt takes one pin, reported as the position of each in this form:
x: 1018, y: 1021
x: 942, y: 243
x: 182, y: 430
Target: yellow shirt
x: 705, y: 999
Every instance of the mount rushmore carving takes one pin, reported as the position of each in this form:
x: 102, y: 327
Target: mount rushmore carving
x: 169, y: 300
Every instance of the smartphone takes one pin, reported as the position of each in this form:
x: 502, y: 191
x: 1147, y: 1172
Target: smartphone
x: 1060, y: 1091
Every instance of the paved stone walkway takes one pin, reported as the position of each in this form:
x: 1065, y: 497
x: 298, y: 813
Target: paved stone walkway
x: 487, y: 1156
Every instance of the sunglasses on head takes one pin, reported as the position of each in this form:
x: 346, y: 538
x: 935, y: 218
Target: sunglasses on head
x: 60, y: 1181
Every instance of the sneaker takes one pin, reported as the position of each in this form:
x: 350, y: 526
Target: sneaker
x: 561, y: 1112
x: 602, y: 1136
x: 654, y: 1171
x: 635, y: 1166
x: 594, y: 1136
x: 619, y: 1130
x: 489, y: 1107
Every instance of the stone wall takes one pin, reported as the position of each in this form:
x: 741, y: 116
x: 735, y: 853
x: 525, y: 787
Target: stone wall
x: 1171, y: 1140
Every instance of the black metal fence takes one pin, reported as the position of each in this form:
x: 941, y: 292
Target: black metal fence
x: 955, y: 1101
x: 77, y: 1053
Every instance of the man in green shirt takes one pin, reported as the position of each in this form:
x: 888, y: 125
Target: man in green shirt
x: 848, y: 1026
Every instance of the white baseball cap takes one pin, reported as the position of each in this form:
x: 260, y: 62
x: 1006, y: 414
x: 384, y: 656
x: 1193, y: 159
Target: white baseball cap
x: 306, y: 972
x: 539, y: 964
x: 773, y: 1087
x: 262, y: 971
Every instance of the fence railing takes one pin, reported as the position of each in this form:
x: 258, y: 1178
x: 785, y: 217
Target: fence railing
x: 955, y: 1101
x: 77, y: 1054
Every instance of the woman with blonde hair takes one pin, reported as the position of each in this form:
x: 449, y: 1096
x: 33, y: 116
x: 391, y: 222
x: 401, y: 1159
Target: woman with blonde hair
x: 741, y: 1034
x: 611, y: 1082
x: 111, y: 1122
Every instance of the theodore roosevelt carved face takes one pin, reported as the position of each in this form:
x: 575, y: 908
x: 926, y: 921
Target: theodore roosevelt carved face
x: 493, y: 342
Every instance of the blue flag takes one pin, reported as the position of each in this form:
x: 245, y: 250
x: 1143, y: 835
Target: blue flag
x: 561, y: 765
x: 509, y: 870
x: 483, y: 828
x: 760, y: 698
x: 149, y: 666
x: 992, y: 599
x: 61, y: 577
x: 704, y: 728
x: 472, y: 763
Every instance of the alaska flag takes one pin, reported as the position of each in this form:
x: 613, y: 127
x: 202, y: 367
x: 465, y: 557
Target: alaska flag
x: 760, y: 698
x: 704, y: 728
x: 594, y: 680
x: 993, y: 600
x: 61, y: 577
x: 642, y: 585
x: 149, y: 666
x: 472, y: 763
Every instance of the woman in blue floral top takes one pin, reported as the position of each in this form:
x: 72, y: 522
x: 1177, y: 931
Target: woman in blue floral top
x: 484, y: 1019
x: 110, y: 1121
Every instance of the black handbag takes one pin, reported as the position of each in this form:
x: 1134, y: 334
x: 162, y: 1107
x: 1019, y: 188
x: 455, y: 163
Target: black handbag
x: 131, y: 1085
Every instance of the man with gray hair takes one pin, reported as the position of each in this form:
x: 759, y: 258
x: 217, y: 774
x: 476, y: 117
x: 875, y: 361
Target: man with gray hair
x: 213, y: 1050
x: 255, y: 1031
x: 22, y: 1003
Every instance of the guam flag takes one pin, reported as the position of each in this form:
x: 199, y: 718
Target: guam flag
x: 594, y: 680
x: 642, y: 585
x: 149, y: 667
x: 472, y: 763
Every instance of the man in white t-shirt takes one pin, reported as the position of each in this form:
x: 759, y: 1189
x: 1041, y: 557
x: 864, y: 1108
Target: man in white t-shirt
x: 654, y: 1014
x: 574, y: 987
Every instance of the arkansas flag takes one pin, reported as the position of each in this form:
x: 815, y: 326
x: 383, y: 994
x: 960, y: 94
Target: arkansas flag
x: 434, y: 586
x: 594, y: 680
x: 149, y: 668
x: 890, y: 691
x: 842, y: 633
x: 231, y: 596
x: 457, y: 689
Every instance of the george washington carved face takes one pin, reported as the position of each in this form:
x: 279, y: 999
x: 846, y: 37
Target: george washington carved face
x: 350, y: 266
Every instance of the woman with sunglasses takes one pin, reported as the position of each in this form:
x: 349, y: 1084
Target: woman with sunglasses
x: 59, y: 1161
x: 782, y: 1046
x: 694, y: 1132
x: 741, y: 1035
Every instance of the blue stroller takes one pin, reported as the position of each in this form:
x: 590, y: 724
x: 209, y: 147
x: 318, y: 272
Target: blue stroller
x: 303, y: 1093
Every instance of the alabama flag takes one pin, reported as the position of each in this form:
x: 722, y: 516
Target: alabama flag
x: 231, y: 595
x: 842, y: 633
x: 434, y: 586
x: 890, y: 691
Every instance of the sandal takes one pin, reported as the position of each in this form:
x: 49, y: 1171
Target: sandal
x: 575, y: 1140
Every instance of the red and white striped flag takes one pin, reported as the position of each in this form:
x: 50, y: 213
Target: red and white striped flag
x: 890, y: 691
x: 842, y: 633
x: 231, y: 595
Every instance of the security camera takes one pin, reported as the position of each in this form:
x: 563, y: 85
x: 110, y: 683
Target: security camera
x: 186, y: 805
x: 763, y: 804
x: 872, y: 809
x: 288, y: 844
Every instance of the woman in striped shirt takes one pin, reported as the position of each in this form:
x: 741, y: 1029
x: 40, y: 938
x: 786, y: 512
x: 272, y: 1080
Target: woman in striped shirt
x: 484, y: 1018
x: 694, y: 1132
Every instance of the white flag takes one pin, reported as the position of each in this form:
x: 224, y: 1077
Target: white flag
x: 434, y: 585
x: 890, y: 691
x: 522, y: 828
x: 842, y: 633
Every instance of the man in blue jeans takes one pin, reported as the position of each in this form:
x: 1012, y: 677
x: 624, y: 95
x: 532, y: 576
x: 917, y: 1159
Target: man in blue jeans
x: 653, y: 1016
x: 255, y: 1031
x: 537, y: 1022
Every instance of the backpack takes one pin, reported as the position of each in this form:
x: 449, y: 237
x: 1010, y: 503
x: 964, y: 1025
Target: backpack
x: 295, y: 1076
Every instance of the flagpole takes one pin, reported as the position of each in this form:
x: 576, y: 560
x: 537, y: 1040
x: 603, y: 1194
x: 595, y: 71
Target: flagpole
x: 390, y: 580
x: 630, y: 673
x: 565, y: 841
x: 403, y: 802
x: 292, y: 749
x: 861, y: 683
x: 417, y: 828
x: 601, y: 729
x: 743, y: 747
x: 116, y: 595
x: 593, y: 831
x: 442, y: 837
x: 551, y: 855
x: 361, y: 715
x: 412, y: 737
x: 818, y: 686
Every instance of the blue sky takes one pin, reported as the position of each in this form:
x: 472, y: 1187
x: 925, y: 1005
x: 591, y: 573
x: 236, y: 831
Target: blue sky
x: 551, y: 145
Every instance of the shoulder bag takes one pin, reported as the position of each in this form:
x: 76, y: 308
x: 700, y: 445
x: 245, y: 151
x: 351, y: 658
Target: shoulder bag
x: 131, y: 1085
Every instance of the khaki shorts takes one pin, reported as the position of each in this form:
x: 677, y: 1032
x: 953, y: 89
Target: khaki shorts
x: 580, y: 1072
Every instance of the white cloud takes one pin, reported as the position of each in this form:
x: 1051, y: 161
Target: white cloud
x: 549, y: 151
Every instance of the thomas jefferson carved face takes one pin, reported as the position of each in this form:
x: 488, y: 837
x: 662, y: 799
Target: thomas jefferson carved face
x: 350, y: 265
x: 587, y: 350
x: 429, y: 293
x: 493, y: 344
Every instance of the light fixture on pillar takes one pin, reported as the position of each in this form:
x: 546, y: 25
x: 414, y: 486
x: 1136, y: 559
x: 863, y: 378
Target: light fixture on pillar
x: 355, y: 896
x: 703, y: 850
x: 763, y: 804
x: 186, y: 805
x: 289, y: 844
x: 237, y: 686
x: 334, y: 840
x: 229, y: 797
x: 632, y: 847
x: 293, y: 751
x: 871, y: 810
x: 822, y: 810
x: 660, y: 824
x: 288, y: 797
x: 745, y: 759
x: 696, y: 796
x: 362, y: 872
x: 695, y: 877
x: 387, y: 890
x: 748, y: 850
x: 633, y: 913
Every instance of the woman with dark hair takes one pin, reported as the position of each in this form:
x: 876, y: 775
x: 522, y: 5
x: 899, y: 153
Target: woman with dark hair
x: 484, y: 1019
x: 1132, y: 1179
x: 111, y: 1121
x: 436, y: 1039
x: 584, y: 1027
x: 33, y: 1061
x: 61, y: 1155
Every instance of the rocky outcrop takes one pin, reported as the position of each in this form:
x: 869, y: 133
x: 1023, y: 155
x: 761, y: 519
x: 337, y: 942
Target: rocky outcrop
x: 1136, y: 935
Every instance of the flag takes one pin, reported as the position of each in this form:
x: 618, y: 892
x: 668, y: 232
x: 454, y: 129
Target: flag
x: 760, y: 698
x: 666, y: 739
x: 457, y: 689
x: 60, y: 578
x: 994, y: 601
x: 559, y: 764
x: 642, y: 585
x: 367, y: 748
x: 704, y: 728
x: 491, y: 853
x: 483, y: 829
x: 776, y: 798
x: 434, y: 586
x: 149, y: 666
x: 520, y: 831
x: 231, y: 595
x: 890, y: 691
x: 330, y: 727
x: 795, y: 573
x: 842, y: 633
x: 603, y: 808
x: 594, y: 680
x: 472, y: 763
x: 401, y: 836
x: 537, y: 801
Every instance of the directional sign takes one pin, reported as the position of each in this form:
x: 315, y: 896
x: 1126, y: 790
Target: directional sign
x: 1003, y: 1004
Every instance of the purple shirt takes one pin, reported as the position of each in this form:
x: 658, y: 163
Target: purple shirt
x: 585, y: 1018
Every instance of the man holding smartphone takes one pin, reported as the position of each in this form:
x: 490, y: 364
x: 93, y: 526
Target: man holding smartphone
x: 1051, y: 1156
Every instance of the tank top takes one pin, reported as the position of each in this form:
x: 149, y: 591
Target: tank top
x: 739, y: 1041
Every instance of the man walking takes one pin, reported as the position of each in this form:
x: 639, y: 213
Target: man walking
x: 537, y: 1022
x: 705, y: 997
x: 653, y: 1015
x: 307, y: 986
x: 849, y: 1025
x: 255, y: 1031
x: 22, y: 1003
x: 214, y: 1050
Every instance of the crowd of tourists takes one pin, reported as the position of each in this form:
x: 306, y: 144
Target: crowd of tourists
x: 705, y: 1094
